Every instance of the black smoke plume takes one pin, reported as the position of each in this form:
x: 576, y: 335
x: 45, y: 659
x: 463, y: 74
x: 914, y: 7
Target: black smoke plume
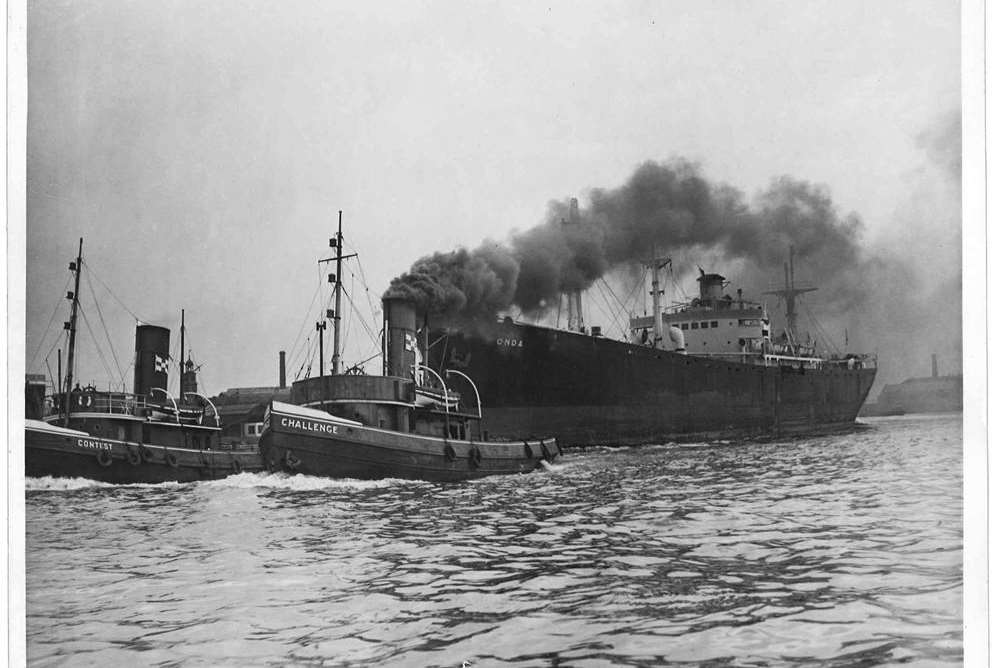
x: 668, y: 208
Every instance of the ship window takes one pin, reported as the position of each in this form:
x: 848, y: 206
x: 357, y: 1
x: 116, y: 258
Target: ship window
x: 715, y: 323
x: 704, y: 324
x: 684, y: 325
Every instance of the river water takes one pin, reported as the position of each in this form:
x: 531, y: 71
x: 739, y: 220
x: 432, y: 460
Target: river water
x: 842, y: 551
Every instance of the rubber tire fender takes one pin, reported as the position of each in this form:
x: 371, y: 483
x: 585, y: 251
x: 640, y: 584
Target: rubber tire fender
x: 104, y: 458
x: 449, y: 452
x: 475, y: 457
x: 171, y: 459
x: 133, y: 456
x: 546, y: 455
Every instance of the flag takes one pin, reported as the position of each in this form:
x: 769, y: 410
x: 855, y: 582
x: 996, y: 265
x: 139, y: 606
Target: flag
x: 159, y: 364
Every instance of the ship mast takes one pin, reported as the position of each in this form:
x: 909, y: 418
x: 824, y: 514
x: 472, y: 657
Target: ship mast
x: 337, y: 243
x: 71, y: 326
x: 336, y: 299
x: 789, y: 294
x: 655, y: 264
x: 180, y: 363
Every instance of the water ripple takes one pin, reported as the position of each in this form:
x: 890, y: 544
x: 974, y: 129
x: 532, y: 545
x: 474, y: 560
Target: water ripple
x: 841, y: 551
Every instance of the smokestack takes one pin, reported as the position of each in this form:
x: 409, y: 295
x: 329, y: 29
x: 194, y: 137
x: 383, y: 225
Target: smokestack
x: 710, y: 287
x: 401, y: 336
x: 152, y: 354
x: 281, y: 369
x: 934, y: 373
x: 574, y: 211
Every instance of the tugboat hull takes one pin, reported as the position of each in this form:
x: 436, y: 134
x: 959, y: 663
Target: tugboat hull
x: 300, y: 440
x: 69, y: 453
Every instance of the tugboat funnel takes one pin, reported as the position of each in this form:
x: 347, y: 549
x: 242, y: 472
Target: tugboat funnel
x: 152, y: 357
x: 400, y: 336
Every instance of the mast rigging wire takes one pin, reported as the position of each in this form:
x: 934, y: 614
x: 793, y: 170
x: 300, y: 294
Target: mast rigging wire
x: 107, y: 336
x: 364, y: 282
x: 613, y: 317
x: 621, y: 316
x: 54, y: 344
x: 51, y: 379
x: 294, y: 356
x: 113, y: 295
x: 364, y: 325
x: 45, y: 333
x: 100, y: 354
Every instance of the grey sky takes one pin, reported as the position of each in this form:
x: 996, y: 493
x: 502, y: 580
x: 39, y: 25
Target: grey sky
x: 203, y: 149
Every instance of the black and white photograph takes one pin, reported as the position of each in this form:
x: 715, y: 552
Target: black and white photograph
x: 496, y: 333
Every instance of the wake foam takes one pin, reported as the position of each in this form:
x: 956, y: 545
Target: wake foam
x: 50, y: 484
x: 305, y: 483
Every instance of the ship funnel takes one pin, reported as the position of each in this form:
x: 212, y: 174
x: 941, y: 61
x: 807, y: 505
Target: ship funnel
x: 710, y: 286
x: 281, y: 369
x: 152, y: 356
x: 400, y: 336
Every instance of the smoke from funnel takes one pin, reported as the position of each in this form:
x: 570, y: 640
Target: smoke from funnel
x: 670, y: 206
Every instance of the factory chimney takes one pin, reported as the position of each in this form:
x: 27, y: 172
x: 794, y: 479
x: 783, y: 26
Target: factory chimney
x: 934, y: 373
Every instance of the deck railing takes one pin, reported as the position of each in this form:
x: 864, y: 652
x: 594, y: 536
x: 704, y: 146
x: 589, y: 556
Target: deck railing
x: 113, y: 403
x: 771, y: 359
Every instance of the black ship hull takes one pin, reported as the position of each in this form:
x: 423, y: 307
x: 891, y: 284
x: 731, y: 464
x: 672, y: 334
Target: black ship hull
x: 589, y: 390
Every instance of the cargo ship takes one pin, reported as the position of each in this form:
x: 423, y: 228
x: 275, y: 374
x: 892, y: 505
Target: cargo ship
x: 706, y: 368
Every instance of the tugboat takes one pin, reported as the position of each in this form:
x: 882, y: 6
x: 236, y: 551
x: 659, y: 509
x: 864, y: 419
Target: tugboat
x: 146, y: 436
x: 407, y: 423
